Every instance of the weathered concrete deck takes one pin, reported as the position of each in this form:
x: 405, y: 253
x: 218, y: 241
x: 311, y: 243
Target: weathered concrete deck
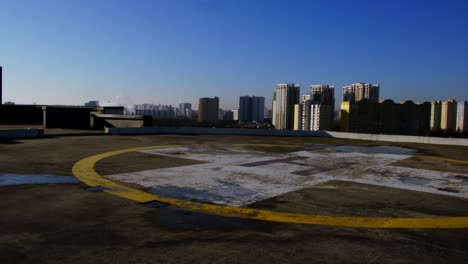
x: 68, y: 223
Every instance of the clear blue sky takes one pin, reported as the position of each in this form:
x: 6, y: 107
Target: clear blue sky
x: 138, y: 51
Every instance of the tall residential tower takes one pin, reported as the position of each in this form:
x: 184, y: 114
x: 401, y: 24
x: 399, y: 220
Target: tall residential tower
x: 251, y: 109
x: 462, y: 116
x: 358, y: 91
x: 436, y: 115
x: 316, y: 110
x: 1, y: 86
x: 448, y: 121
x: 185, y: 110
x: 284, y: 99
x: 208, y: 109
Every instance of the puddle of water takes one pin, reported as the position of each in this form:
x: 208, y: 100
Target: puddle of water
x: 11, y: 179
x: 314, y: 147
x: 155, y: 204
x: 448, y: 190
x: 415, y: 181
x: 375, y: 150
x: 200, y: 149
x: 97, y: 188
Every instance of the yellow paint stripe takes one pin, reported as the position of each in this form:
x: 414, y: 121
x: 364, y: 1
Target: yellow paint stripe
x: 84, y: 171
x: 445, y: 159
x: 269, y: 145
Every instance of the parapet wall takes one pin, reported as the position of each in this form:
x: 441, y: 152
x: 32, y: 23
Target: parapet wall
x: 21, y: 133
x: 288, y: 133
x: 398, y: 138
x: 214, y: 131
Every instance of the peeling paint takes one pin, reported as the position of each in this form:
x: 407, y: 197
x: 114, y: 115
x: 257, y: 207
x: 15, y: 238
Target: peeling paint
x: 238, y: 177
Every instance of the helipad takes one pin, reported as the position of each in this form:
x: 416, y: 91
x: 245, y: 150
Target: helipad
x: 238, y: 177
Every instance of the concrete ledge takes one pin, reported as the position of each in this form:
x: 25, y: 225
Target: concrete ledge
x: 21, y: 133
x: 214, y: 131
x: 288, y: 133
x: 400, y: 138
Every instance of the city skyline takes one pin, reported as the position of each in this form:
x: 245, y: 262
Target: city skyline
x: 162, y: 52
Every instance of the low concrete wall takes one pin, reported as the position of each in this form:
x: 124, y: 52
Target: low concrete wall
x: 21, y: 133
x: 289, y: 133
x: 214, y: 131
x: 398, y: 138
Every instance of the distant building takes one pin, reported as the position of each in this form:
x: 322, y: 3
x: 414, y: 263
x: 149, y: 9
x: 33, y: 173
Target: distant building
x: 228, y: 115
x: 284, y: 99
x: 448, y: 121
x: 298, y: 117
x: 208, y: 109
x: 92, y: 103
x: 436, y: 115
x: 462, y: 116
x: 268, y: 113
x: 221, y: 114
x: 155, y: 111
x: 251, y: 109
x: 185, y: 110
x: 359, y: 91
x: 235, y: 114
x: 1, y: 85
x: 386, y: 117
x: 316, y: 110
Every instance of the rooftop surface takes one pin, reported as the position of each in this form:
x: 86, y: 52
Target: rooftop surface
x: 231, y: 199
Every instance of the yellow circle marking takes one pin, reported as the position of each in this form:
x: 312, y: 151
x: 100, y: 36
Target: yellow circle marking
x: 444, y: 159
x: 84, y: 171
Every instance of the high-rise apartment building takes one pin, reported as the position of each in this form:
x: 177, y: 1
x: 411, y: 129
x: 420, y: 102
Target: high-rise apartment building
x: 436, y: 115
x: 284, y: 99
x: 185, y: 110
x: 208, y: 109
x: 228, y: 115
x: 316, y: 110
x: 462, y: 116
x: 448, y: 120
x: 273, y: 109
x: 358, y: 91
x: 323, y: 94
x: 298, y: 117
x: 1, y: 85
x: 251, y: 109
x: 156, y: 111
x: 235, y: 114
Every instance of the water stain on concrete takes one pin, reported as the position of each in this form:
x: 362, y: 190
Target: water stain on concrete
x: 375, y: 150
x: 12, y: 179
x: 414, y: 180
x: 201, y: 149
x: 314, y: 147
